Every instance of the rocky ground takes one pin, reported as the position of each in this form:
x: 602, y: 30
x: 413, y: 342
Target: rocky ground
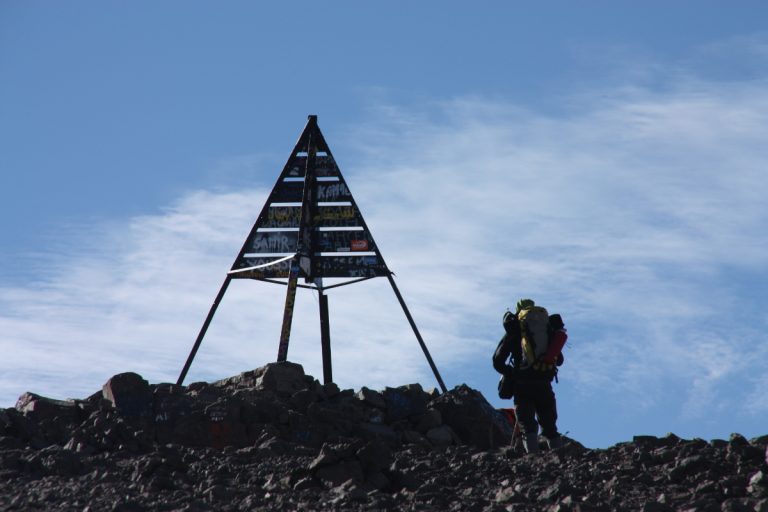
x: 276, y: 439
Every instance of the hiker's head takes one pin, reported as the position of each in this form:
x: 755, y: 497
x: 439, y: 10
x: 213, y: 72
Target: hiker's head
x: 524, y: 304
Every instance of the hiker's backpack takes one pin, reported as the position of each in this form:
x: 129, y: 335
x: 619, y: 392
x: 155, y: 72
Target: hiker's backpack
x: 535, y: 332
x: 556, y: 324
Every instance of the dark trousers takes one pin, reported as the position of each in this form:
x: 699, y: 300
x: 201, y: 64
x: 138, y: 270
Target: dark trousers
x: 534, y: 399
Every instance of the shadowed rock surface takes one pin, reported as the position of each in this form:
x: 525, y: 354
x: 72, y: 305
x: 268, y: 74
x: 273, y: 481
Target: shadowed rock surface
x: 276, y: 439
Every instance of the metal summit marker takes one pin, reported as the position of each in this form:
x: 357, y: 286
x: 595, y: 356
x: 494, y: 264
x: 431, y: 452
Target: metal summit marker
x: 310, y: 228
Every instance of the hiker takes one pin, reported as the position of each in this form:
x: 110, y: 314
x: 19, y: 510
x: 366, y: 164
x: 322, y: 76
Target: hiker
x: 533, y: 342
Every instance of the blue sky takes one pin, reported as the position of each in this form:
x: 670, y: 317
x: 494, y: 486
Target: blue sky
x: 604, y: 158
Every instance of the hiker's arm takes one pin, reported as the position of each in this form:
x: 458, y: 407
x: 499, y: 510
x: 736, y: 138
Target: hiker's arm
x: 556, y: 345
x: 500, y: 356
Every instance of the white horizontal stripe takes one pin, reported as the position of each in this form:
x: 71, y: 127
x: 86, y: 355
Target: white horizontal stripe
x: 350, y: 254
x: 323, y: 229
x: 252, y: 255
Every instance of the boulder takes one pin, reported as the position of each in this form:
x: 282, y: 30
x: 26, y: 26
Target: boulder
x: 404, y: 402
x: 429, y: 420
x: 374, y: 456
x: 130, y: 394
x: 330, y: 389
x: 372, y: 398
x: 42, y: 408
x: 337, y: 464
x: 284, y: 378
x: 472, y: 418
x: 5, y: 421
x: 302, y: 399
x: 384, y: 433
x: 441, y: 436
x: 300, y: 429
x: 170, y: 406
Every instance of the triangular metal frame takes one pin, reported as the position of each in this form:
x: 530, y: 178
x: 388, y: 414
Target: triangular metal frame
x: 310, y: 228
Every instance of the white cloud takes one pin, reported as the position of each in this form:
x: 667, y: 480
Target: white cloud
x: 629, y: 215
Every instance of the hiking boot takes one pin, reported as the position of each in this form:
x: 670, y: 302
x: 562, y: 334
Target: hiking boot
x: 531, y: 443
x: 555, y: 442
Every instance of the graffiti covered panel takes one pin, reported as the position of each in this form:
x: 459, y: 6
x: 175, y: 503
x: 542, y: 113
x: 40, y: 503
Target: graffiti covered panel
x: 281, y: 217
x: 274, y: 242
x: 344, y: 241
x: 337, y: 216
x: 333, y: 191
x: 341, y: 265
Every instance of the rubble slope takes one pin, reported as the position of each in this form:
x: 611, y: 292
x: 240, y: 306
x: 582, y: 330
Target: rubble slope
x: 276, y: 439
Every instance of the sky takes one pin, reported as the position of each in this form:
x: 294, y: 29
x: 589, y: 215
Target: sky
x: 604, y: 158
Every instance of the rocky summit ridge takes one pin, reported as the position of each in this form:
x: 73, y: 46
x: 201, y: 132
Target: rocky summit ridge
x: 276, y: 439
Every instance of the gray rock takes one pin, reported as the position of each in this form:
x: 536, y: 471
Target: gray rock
x: 687, y: 466
x: 646, y: 441
x: 304, y: 484
x: 284, y: 378
x: 413, y: 437
x: 327, y: 456
x: 336, y: 474
x: 372, y: 398
x: 404, y: 402
x: 758, y: 485
x: 41, y: 408
x: 56, y: 461
x: 737, y: 439
x: 5, y: 421
x: 738, y: 505
x: 330, y: 389
x: 374, y: 456
x: 472, y: 418
x: 429, y: 420
x: 301, y: 399
x: 377, y: 431
x: 130, y: 394
x: 90, y: 455
x: 441, y: 436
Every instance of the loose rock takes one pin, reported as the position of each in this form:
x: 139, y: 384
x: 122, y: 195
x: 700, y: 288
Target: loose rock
x: 276, y: 439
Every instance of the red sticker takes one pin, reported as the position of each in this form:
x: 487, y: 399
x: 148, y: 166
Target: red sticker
x: 359, y: 245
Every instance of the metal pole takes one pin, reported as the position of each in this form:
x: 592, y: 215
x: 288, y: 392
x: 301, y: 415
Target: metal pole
x: 325, y: 338
x: 290, y: 299
x: 416, y: 332
x: 203, y: 330
x: 304, y: 244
